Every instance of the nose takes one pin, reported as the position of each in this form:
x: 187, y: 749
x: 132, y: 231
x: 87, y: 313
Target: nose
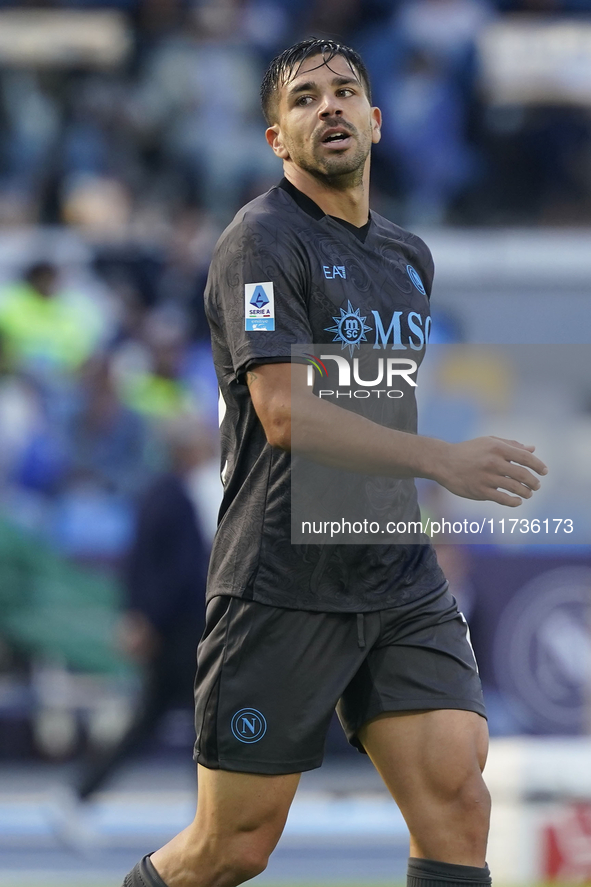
x: 329, y: 107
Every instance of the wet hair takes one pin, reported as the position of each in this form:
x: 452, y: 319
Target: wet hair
x: 288, y: 63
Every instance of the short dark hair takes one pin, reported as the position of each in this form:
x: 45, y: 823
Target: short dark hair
x: 287, y: 64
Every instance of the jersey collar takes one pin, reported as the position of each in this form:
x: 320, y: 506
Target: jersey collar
x: 308, y: 205
x: 302, y: 200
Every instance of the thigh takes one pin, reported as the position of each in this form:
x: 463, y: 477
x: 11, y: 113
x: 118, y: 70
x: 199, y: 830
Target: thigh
x: 230, y: 803
x: 268, y: 680
x: 424, y: 753
x: 239, y: 820
x: 432, y: 763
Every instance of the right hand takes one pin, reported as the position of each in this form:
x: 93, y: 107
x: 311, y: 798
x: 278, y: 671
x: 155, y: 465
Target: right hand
x: 486, y: 466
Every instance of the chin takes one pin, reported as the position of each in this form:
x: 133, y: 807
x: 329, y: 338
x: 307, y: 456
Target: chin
x: 346, y: 168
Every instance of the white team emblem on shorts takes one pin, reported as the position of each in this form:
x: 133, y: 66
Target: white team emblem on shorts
x: 259, y: 306
x: 249, y: 725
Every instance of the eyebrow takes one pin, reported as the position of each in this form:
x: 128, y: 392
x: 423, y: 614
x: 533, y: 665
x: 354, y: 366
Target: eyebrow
x: 310, y: 85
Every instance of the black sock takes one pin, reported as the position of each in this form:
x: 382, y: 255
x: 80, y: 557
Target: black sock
x: 143, y: 875
x: 431, y: 873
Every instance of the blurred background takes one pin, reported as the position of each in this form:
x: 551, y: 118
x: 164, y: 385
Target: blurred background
x: 130, y: 133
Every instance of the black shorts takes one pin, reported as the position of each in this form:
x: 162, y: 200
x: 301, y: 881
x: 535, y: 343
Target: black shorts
x: 269, y: 678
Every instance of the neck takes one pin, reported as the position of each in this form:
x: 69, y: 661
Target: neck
x: 334, y: 197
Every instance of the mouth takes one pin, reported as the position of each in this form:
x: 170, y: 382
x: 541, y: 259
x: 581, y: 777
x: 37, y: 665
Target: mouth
x: 336, y: 138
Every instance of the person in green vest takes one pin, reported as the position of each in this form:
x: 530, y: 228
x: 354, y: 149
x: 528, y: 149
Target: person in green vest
x: 43, y: 328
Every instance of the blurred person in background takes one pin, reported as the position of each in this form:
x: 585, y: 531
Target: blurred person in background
x: 107, y: 460
x: 149, y: 369
x: 199, y: 81
x: 45, y: 329
x: 21, y: 414
x: 112, y: 153
x: 426, y: 130
x: 182, y: 282
x: 164, y: 583
x: 29, y: 136
x: 423, y: 63
x: 49, y: 332
x: 107, y: 440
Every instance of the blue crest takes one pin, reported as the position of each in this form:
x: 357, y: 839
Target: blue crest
x: 415, y: 279
x: 249, y: 725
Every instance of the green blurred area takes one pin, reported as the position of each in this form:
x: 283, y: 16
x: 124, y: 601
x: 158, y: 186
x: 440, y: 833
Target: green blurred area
x: 54, y: 609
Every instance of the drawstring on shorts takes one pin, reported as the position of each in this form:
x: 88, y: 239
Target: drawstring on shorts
x: 360, y: 630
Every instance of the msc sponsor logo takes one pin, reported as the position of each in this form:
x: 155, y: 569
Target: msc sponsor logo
x: 350, y: 328
x: 248, y: 725
x: 416, y: 339
x: 259, y: 306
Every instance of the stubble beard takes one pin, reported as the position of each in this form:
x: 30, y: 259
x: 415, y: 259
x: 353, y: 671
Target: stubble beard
x: 339, y: 171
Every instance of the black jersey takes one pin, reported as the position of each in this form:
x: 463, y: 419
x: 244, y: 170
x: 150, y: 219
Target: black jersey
x: 285, y: 274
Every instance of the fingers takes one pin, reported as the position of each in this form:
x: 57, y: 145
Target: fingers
x: 514, y: 486
x: 504, y: 498
x: 517, y: 480
x: 524, y: 456
x: 522, y: 476
x: 536, y: 463
x: 495, y: 469
x: 515, y: 443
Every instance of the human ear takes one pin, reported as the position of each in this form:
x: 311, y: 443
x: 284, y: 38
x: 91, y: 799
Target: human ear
x: 376, y: 125
x: 275, y: 140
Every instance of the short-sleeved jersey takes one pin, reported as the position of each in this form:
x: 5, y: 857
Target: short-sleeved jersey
x: 285, y: 274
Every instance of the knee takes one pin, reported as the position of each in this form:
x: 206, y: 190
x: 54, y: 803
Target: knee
x: 476, y: 796
x: 472, y: 803
x: 247, y: 862
x: 240, y: 859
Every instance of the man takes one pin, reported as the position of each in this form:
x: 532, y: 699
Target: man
x: 164, y: 584
x: 48, y: 331
x: 293, y: 630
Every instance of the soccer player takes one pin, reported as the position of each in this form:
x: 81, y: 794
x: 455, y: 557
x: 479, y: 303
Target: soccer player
x: 294, y: 630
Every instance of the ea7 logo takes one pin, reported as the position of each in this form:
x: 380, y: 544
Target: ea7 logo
x: 332, y: 271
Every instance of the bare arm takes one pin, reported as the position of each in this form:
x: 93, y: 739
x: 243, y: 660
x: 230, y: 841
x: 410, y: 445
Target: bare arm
x: 293, y: 417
